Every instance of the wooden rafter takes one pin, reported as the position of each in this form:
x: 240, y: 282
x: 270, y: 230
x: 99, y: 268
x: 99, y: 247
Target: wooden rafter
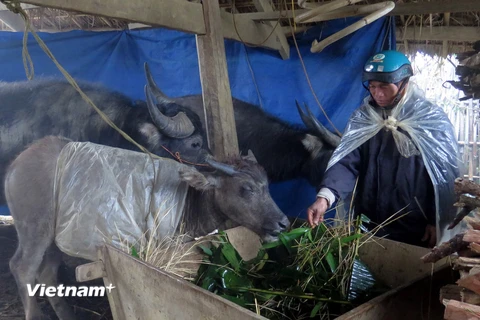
x: 416, y: 8
x: 265, y: 6
x: 459, y: 34
x: 173, y: 14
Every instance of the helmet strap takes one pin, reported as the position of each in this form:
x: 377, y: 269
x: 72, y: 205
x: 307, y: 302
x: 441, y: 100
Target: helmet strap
x: 400, y: 90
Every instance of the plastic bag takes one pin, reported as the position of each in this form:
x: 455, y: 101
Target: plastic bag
x: 431, y: 136
x: 112, y: 195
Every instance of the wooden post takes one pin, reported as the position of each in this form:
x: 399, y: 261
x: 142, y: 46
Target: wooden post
x: 217, y: 98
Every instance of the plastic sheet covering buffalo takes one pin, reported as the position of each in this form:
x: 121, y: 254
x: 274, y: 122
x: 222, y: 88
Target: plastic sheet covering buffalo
x: 104, y: 194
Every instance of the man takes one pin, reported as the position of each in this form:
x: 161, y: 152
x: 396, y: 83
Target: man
x: 403, y: 151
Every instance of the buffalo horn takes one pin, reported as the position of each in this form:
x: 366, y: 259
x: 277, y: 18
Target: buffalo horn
x: 312, y: 123
x: 178, y: 126
x: 159, y: 95
x: 225, y: 168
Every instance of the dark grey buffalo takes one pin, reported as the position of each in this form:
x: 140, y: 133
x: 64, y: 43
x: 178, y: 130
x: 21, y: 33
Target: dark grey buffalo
x: 283, y: 150
x: 34, y: 109
x: 237, y: 191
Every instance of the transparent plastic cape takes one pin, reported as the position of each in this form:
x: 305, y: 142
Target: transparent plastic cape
x: 106, y: 194
x: 431, y: 137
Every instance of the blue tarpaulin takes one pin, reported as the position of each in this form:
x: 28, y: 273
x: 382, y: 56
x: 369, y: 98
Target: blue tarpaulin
x: 116, y: 59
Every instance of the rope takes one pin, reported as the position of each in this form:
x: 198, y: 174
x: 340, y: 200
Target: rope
x: 14, y: 6
x: 308, y: 80
x: 238, y: 34
x: 292, y: 28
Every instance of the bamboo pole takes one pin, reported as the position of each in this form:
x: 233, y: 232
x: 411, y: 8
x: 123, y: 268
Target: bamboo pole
x: 319, y: 46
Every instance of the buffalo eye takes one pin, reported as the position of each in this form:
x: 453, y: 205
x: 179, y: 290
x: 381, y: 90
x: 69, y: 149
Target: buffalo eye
x: 247, y: 190
x: 196, y: 145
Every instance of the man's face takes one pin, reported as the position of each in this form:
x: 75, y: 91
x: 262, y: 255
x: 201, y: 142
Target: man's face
x: 382, y: 92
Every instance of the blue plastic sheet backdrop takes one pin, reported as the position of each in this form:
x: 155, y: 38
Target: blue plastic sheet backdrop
x: 116, y: 60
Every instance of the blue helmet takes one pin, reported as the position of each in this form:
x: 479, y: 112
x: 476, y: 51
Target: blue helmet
x: 387, y: 66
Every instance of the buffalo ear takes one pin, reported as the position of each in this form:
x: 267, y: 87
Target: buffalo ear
x: 197, y: 180
x: 150, y: 132
x: 250, y: 156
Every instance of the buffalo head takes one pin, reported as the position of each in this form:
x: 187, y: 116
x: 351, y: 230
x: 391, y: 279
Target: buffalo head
x: 180, y: 128
x: 239, y: 191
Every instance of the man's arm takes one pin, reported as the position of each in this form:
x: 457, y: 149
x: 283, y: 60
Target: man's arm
x: 337, y: 182
x: 340, y: 179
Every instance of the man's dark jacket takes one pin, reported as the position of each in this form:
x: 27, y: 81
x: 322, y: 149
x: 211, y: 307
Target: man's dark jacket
x: 390, y: 184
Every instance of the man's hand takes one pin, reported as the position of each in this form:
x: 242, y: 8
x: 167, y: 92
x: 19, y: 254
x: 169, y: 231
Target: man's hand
x: 316, y: 211
x: 430, y: 235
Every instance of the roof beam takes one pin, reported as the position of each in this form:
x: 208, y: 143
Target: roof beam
x: 24, y: 6
x: 451, y: 6
x: 173, y: 14
x: 416, y: 8
x: 265, y: 6
x: 458, y: 34
x: 245, y: 30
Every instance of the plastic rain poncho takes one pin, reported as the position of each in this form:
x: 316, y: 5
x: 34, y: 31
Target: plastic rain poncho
x: 430, y: 134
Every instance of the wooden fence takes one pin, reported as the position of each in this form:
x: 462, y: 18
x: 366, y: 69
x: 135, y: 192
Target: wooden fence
x: 465, y: 119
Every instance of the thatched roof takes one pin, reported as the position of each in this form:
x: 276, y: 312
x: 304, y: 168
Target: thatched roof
x: 435, y: 33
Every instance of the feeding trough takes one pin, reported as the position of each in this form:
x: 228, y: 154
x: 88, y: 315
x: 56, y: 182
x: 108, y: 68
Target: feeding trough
x: 145, y: 292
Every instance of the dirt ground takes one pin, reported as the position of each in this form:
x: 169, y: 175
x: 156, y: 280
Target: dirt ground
x: 11, y: 308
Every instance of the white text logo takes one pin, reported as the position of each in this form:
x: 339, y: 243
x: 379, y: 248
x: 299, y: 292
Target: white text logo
x: 62, y: 291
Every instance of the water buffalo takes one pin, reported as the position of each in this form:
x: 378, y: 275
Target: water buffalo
x: 34, y: 109
x: 237, y: 191
x: 283, y: 150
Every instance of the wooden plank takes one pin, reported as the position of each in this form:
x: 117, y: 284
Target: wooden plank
x: 248, y: 31
x: 468, y: 262
x: 472, y: 236
x: 467, y: 34
x: 150, y: 293
x: 217, y: 98
x: 114, y: 298
x: 265, y: 6
x: 470, y: 297
x: 471, y: 282
x: 451, y: 291
x: 90, y: 271
x: 415, y: 8
x: 173, y: 14
x: 414, y: 300
x: 24, y: 6
x: 456, y: 310
x: 396, y: 263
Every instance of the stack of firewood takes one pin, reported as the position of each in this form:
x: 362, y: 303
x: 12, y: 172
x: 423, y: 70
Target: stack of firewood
x: 462, y: 301
x: 468, y: 72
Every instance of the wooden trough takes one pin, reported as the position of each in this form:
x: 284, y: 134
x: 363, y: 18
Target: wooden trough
x: 144, y: 292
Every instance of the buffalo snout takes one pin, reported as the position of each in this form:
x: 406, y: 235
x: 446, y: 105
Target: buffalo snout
x: 274, y: 228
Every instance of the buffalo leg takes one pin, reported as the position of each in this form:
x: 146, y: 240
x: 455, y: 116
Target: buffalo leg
x: 24, y: 266
x: 49, y: 276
